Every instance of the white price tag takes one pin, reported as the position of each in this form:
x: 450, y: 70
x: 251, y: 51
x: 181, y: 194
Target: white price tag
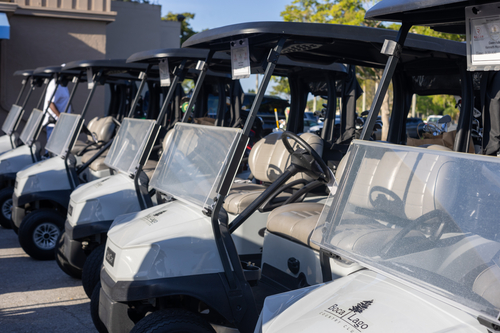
x: 164, y: 73
x: 90, y: 78
x: 240, y: 59
x: 486, y: 40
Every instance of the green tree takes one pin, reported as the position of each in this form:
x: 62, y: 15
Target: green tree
x: 186, y: 30
x: 280, y: 87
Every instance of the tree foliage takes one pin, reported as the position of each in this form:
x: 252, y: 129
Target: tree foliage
x: 352, y: 12
x: 186, y: 30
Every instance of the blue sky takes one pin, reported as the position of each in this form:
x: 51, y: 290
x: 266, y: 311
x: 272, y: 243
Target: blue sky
x: 216, y: 13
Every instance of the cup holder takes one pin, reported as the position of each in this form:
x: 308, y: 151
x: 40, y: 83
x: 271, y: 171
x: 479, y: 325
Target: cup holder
x: 252, y: 272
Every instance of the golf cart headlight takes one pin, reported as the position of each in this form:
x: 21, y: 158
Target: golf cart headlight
x: 91, y: 211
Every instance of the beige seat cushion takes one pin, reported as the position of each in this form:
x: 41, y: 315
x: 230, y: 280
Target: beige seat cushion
x: 419, y: 198
x: 295, y: 221
x: 149, y: 168
x: 267, y: 161
x: 98, y: 164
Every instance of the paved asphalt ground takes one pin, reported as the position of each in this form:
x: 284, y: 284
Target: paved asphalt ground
x: 36, y: 296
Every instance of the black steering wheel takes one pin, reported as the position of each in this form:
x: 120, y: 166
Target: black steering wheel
x: 437, y: 217
x: 394, y: 208
x: 323, y: 170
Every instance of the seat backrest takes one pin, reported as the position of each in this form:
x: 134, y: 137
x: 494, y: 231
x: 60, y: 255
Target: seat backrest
x: 420, y: 182
x: 102, y: 128
x: 269, y: 157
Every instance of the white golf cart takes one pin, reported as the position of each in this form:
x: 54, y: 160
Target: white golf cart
x: 11, y: 139
x: 92, y: 206
x: 425, y: 230
x: 175, y: 262
x: 41, y: 193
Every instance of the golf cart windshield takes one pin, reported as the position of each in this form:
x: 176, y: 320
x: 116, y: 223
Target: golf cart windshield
x: 12, y: 117
x: 63, y: 131
x: 193, y: 165
x: 28, y: 133
x: 129, y: 144
x: 428, y: 218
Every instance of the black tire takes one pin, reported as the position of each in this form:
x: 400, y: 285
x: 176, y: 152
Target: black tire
x: 6, y: 207
x: 94, y: 310
x: 63, y: 263
x: 173, y: 321
x: 39, y: 232
x: 91, y: 273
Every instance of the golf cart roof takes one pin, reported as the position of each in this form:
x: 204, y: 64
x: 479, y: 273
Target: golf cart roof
x: 441, y: 15
x: 174, y: 55
x: 117, y: 69
x: 24, y: 72
x: 325, y: 43
x: 48, y: 70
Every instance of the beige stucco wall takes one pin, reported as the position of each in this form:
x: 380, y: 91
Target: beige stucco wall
x: 42, y: 41
x: 138, y: 27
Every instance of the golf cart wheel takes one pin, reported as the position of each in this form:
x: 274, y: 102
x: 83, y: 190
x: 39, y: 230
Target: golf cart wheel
x: 63, y: 264
x: 6, y: 207
x: 172, y: 320
x: 94, y: 309
x: 39, y: 232
x: 91, y: 273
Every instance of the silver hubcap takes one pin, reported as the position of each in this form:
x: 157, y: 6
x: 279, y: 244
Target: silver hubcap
x: 45, y: 236
x: 7, y: 209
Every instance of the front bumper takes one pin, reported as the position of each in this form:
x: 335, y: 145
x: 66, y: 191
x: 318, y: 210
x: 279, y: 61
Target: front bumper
x: 73, y: 251
x: 61, y: 197
x: 114, y: 315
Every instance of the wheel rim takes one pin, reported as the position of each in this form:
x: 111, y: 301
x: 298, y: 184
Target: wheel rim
x: 7, y: 209
x: 46, y: 235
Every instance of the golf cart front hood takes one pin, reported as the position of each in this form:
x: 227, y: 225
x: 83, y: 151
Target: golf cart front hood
x: 16, y: 159
x: 47, y: 175
x: 169, y: 240
x: 362, y: 302
x: 97, y: 200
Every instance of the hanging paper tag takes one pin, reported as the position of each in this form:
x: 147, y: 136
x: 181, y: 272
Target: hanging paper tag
x: 46, y: 81
x: 200, y: 65
x: 164, y: 73
x: 240, y: 59
x: 90, y: 78
x: 75, y: 79
x: 23, y: 81
x: 483, y: 37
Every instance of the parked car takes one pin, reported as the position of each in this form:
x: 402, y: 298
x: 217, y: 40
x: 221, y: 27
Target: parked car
x: 414, y: 127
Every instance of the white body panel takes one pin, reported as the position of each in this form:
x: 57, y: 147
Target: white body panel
x: 47, y: 175
x: 5, y: 144
x: 170, y: 240
x: 103, y: 200
x: 386, y: 306
x: 277, y: 251
x: 91, y: 175
x: 15, y: 160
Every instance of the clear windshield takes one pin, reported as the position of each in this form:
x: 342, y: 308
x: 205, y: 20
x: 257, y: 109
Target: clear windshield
x: 28, y: 133
x: 63, y: 131
x: 429, y: 218
x: 191, y: 166
x: 11, y: 120
x: 129, y: 145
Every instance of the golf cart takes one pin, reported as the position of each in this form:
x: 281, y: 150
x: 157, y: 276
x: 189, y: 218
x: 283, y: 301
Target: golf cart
x: 11, y: 139
x: 18, y: 158
x: 424, y: 231
x: 40, y: 200
x: 92, y: 206
x: 175, y: 262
